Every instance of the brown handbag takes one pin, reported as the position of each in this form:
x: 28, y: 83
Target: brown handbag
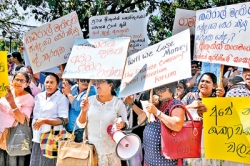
x: 183, y: 144
x: 3, y: 139
x: 77, y: 154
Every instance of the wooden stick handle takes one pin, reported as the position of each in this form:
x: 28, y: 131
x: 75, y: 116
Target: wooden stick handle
x: 221, y: 76
x: 151, y: 101
x: 88, y: 90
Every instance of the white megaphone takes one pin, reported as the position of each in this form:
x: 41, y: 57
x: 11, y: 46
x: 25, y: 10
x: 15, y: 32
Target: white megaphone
x: 127, y: 145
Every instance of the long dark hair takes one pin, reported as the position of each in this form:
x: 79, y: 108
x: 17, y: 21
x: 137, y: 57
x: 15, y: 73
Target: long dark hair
x: 27, y: 80
x: 18, y: 56
x: 113, y: 93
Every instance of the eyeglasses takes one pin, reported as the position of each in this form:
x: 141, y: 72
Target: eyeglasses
x: 100, y: 81
x: 161, y: 89
x: 19, y: 80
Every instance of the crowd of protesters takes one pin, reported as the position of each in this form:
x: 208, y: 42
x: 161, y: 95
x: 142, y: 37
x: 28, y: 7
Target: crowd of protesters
x: 43, y: 101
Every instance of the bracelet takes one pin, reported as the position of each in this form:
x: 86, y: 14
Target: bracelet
x: 15, y: 109
x: 68, y: 95
x: 132, y: 104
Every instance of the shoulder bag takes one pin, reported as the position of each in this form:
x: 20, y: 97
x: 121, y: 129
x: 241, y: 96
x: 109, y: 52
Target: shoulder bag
x: 78, y: 153
x: 49, y: 140
x: 19, y: 139
x: 183, y: 144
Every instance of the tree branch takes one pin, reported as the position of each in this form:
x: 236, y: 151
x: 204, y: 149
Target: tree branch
x: 128, y: 5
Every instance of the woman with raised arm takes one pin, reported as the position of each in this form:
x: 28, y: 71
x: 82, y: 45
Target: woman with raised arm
x: 15, y: 106
x: 99, y: 112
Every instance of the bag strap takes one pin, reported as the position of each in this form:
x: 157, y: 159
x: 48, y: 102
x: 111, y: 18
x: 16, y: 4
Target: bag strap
x: 85, y: 134
x: 186, y: 111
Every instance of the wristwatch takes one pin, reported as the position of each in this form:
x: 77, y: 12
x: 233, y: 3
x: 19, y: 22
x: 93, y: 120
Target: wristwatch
x: 158, y: 113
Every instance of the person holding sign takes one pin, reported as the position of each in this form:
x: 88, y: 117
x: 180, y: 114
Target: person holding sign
x: 152, y: 131
x: 75, y: 95
x: 98, y: 112
x: 193, y: 101
x: 240, y: 91
x: 15, y: 106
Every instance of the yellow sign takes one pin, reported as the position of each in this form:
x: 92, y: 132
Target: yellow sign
x: 227, y: 129
x: 4, y: 81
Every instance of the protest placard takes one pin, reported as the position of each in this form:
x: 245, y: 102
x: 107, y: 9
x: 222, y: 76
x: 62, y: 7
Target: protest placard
x: 184, y: 19
x: 220, y: 35
x: 4, y: 81
x: 212, y: 68
x: 133, y: 25
x: 227, y: 129
x: 162, y: 63
x: 102, y: 58
x: 50, y: 45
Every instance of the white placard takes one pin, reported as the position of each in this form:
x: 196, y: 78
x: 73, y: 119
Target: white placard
x: 50, y: 44
x: 102, y: 58
x: 162, y: 63
x: 221, y: 35
x: 184, y: 19
x: 132, y: 25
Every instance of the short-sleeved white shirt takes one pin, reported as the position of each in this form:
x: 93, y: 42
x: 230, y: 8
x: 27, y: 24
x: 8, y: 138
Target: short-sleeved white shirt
x: 55, y: 106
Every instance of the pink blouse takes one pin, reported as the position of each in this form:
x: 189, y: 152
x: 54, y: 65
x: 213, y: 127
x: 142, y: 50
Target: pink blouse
x: 25, y: 104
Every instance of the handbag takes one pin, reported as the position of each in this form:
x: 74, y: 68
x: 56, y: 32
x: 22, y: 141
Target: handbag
x: 3, y: 139
x: 49, y: 140
x: 183, y: 144
x: 19, y: 139
x: 78, y: 153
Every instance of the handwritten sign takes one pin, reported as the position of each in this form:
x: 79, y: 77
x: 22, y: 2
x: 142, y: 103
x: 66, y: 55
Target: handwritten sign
x: 227, y: 127
x: 184, y: 19
x: 157, y: 65
x: 102, y: 58
x: 133, y: 25
x: 212, y: 68
x: 220, y: 35
x: 4, y: 81
x: 50, y: 45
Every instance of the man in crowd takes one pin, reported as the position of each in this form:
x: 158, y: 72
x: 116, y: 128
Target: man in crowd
x: 192, y: 82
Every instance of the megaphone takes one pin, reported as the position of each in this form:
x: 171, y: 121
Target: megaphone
x: 127, y: 146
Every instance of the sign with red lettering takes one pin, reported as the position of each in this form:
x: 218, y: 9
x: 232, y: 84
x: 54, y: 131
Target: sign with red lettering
x: 159, y: 64
x: 133, y: 25
x: 221, y: 35
x: 184, y: 19
x: 102, y: 58
x: 50, y: 45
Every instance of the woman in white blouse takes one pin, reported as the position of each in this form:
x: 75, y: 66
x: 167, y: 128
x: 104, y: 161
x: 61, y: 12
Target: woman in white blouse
x: 49, y: 105
x: 101, y: 111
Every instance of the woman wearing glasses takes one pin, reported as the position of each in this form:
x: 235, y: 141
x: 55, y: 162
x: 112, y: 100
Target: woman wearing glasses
x: 152, y: 131
x: 99, y: 112
x: 15, y: 106
x: 75, y: 95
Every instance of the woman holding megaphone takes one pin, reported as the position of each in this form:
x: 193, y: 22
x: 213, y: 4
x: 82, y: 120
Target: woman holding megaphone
x: 98, y: 112
x: 152, y: 131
